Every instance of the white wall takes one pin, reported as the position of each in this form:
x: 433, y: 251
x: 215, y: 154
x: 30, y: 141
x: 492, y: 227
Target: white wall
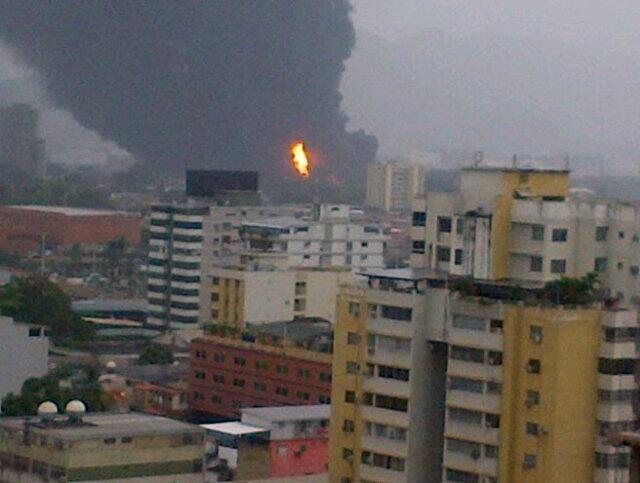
x: 269, y: 296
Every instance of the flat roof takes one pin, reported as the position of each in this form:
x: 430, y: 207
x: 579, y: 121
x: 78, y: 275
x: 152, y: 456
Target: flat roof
x: 102, y: 425
x: 302, y: 328
x: 109, y: 305
x: 515, y: 169
x: 235, y: 428
x: 290, y: 413
x: 69, y: 211
x: 409, y: 274
x: 277, y: 222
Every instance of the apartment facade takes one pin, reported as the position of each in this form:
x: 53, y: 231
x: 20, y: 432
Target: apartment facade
x: 229, y: 373
x: 24, y: 354
x: 526, y: 226
x: 392, y: 186
x: 255, y: 294
x: 430, y: 385
x: 100, y: 447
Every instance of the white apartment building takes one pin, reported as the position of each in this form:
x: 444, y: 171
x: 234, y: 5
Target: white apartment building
x: 494, y: 228
x: 330, y: 240
x: 392, y: 186
x: 24, y: 353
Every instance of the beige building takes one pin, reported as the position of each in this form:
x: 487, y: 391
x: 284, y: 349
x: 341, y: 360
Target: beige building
x: 255, y: 294
x: 392, y: 186
x: 110, y: 447
x: 525, y: 225
x: 434, y: 385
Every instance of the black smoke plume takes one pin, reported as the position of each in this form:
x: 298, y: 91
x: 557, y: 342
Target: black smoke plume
x: 217, y: 83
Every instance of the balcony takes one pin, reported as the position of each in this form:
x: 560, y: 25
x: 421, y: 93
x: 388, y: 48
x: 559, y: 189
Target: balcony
x: 618, y: 350
x: 389, y: 358
x: 385, y: 446
x: 388, y: 387
x: 616, y: 383
x: 474, y: 370
x: 476, y: 338
x: 479, y: 465
x: 472, y: 432
x: 381, y: 475
x: 385, y: 416
x: 393, y: 328
x: 480, y: 402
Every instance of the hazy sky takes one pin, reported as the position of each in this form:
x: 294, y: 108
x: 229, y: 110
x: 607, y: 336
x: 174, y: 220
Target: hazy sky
x: 394, y: 19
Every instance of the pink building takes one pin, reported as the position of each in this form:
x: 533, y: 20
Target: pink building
x: 299, y: 439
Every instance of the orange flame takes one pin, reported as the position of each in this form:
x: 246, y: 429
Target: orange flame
x: 299, y: 159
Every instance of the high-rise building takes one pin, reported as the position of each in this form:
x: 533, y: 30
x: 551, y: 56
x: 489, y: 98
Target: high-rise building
x: 525, y: 225
x: 392, y: 186
x: 431, y: 383
x: 21, y: 146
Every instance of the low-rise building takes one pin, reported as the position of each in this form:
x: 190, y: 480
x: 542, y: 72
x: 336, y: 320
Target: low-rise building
x: 99, y: 447
x: 231, y: 371
x: 24, y: 353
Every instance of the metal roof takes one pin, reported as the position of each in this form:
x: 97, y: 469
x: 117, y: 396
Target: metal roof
x: 235, y: 428
x: 290, y: 413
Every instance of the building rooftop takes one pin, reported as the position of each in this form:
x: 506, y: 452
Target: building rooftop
x: 300, y: 329
x: 408, y: 274
x: 109, y: 305
x: 515, y: 169
x: 276, y: 222
x: 70, y: 211
x: 101, y: 425
x: 235, y: 428
x: 290, y: 413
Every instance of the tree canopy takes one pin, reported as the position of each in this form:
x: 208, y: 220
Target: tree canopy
x: 155, y: 354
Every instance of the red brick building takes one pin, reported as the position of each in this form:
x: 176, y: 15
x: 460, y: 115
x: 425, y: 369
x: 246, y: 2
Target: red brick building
x: 22, y: 227
x: 229, y: 373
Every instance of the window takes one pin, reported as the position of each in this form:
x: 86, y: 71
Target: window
x: 496, y: 326
x: 306, y: 373
x: 468, y: 448
x: 352, y: 367
x: 348, y: 426
x: 392, y: 403
x: 443, y: 254
x: 537, y: 232
x: 466, y: 416
x: 201, y: 354
x: 388, y: 372
x: 260, y: 387
x: 324, y: 399
x: 460, y: 226
x: 353, y: 338
x: 109, y: 440
x: 282, y: 369
x: 303, y: 395
x: 467, y: 354
x: 535, y: 264
x: 600, y: 264
x: 613, y: 367
x: 199, y: 375
x: 458, y: 476
x: 347, y: 454
x: 444, y: 224
x: 354, y: 309
x: 494, y: 388
x: 262, y: 365
x: 620, y: 266
x: 465, y: 384
x: 492, y: 421
x: 559, y: 235
x: 491, y: 451
x: 417, y: 246
x: 533, y: 366
x: 419, y: 218
x: 535, y: 333
x: 558, y: 266
x: 616, y: 460
x: 325, y: 376
x: 35, y: 332
x: 218, y: 357
x: 494, y: 358
x: 533, y: 398
x: 469, y: 323
x: 218, y: 378
x: 621, y: 235
x: 282, y: 391
x: 529, y: 462
x: 126, y: 439
x: 601, y: 233
x: 350, y: 397
x: 383, y: 461
x: 239, y: 361
x: 532, y: 429
x: 238, y: 382
x: 457, y: 257
x: 396, y: 313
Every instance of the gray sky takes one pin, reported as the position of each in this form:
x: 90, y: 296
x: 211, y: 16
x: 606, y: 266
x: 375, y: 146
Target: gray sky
x: 569, y: 19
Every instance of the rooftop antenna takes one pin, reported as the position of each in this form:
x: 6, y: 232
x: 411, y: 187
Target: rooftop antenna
x: 478, y: 156
x: 567, y: 160
x: 515, y: 160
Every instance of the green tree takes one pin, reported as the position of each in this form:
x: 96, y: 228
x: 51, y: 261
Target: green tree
x: 572, y: 290
x: 84, y: 386
x: 155, y: 354
x: 36, y: 300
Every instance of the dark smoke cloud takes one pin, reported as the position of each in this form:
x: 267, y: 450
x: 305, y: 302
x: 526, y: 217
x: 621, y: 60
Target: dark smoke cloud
x: 219, y: 83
